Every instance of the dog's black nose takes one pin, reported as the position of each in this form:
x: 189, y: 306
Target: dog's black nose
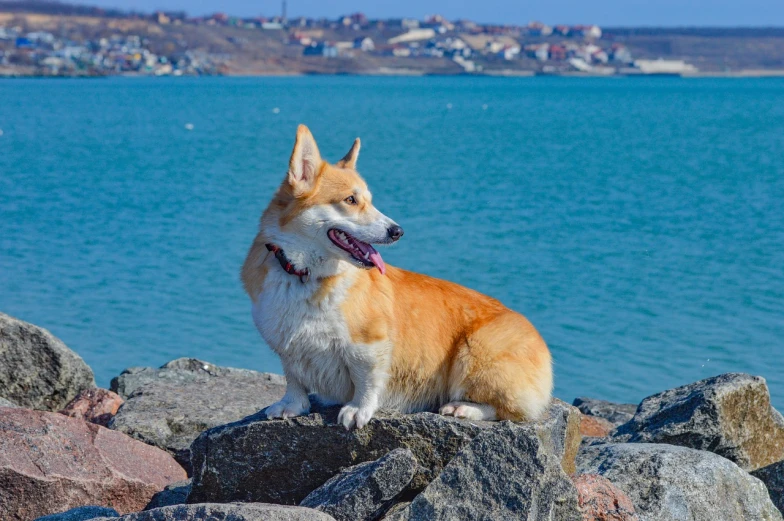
x: 395, y: 232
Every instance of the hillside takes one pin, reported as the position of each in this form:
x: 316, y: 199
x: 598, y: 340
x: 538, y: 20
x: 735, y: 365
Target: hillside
x: 60, y: 39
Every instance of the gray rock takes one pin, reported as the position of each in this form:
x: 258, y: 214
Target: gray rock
x: 179, y: 371
x: 173, y: 494
x: 396, y: 509
x: 773, y: 477
x: 81, y: 514
x: 37, y: 370
x: 366, y: 490
x: 8, y: 403
x: 504, y: 473
x: 728, y: 414
x: 559, y: 431
x: 171, y: 406
x: 282, y: 461
x: 669, y: 483
x: 615, y: 413
x: 225, y: 512
x: 293, y: 472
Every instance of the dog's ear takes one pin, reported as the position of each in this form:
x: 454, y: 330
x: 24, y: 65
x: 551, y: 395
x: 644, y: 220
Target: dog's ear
x: 350, y: 159
x: 305, y: 162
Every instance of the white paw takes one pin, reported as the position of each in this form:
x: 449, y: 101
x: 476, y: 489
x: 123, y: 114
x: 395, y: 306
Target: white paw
x: 447, y: 410
x: 287, y: 409
x: 468, y: 411
x: 353, y: 416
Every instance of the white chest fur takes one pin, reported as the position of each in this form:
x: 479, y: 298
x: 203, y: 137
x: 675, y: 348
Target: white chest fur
x: 311, y: 338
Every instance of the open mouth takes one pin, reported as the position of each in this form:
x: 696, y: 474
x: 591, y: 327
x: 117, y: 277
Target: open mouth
x: 363, y: 253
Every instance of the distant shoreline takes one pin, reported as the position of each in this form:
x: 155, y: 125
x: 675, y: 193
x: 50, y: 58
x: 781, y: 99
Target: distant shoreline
x: 779, y: 73
x: 40, y: 38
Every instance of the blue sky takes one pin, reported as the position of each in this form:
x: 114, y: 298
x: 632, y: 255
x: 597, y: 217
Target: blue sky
x: 602, y: 12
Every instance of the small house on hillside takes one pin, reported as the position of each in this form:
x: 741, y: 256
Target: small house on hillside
x: 364, y: 43
x: 324, y: 49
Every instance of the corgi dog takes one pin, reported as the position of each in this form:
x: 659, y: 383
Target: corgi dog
x: 366, y: 335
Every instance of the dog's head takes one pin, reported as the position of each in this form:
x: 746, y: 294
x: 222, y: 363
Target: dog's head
x: 326, y: 211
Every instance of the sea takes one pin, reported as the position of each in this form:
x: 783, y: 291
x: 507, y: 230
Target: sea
x: 637, y: 222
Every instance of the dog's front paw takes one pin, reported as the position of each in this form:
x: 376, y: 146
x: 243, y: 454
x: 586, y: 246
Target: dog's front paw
x: 286, y: 409
x: 353, y: 416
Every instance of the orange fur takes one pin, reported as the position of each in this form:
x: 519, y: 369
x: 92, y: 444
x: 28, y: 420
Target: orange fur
x: 447, y: 336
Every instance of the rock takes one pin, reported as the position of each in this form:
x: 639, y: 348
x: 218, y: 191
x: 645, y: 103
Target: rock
x: 173, y: 494
x: 615, y: 413
x: 94, y: 405
x: 50, y: 462
x: 503, y: 473
x: 366, y: 490
x: 728, y: 414
x: 670, y: 483
x: 180, y: 371
x: 559, y: 431
x: 395, y: 509
x: 81, y: 514
x: 600, y: 500
x: 773, y: 478
x: 7, y: 403
x: 171, y: 406
x: 37, y: 370
x: 226, y: 512
x: 595, y: 426
x: 282, y: 461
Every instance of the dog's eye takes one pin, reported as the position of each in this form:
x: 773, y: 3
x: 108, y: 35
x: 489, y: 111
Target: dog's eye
x: 350, y: 200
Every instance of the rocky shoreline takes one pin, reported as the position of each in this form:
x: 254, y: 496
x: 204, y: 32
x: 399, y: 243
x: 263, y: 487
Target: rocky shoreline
x: 190, y: 441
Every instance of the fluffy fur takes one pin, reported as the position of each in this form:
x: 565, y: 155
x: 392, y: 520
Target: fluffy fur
x: 367, y: 340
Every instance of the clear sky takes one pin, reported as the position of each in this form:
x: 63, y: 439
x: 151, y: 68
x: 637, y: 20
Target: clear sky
x: 602, y: 12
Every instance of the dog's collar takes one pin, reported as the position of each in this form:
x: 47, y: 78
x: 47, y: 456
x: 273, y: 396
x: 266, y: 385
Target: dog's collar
x: 285, y: 263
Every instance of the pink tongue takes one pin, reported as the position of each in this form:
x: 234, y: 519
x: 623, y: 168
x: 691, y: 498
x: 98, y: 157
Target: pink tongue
x: 376, y: 259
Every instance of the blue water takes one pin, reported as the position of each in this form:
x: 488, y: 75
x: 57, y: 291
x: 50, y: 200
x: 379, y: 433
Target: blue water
x: 638, y: 223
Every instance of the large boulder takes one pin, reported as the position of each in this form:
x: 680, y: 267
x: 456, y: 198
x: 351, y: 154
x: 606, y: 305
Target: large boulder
x: 81, y: 514
x: 225, y: 512
x: 282, y: 461
x: 364, y: 491
x: 171, y: 406
x: 503, y: 473
x: 37, y: 370
x: 670, y: 483
x: 50, y: 462
x: 600, y: 500
x: 94, y: 405
x: 728, y: 414
x: 615, y: 413
x: 773, y: 477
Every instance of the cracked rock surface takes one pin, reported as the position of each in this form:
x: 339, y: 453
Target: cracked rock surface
x: 170, y: 406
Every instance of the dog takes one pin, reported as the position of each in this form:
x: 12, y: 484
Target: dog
x: 365, y: 335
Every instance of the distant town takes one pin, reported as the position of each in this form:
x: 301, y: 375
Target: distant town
x: 55, y: 39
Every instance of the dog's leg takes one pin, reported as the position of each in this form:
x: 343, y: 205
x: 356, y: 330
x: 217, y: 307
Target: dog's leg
x: 294, y: 403
x: 369, y: 382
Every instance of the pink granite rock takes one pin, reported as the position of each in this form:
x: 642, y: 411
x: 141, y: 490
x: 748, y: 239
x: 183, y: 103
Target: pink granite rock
x: 600, y: 500
x: 593, y: 426
x: 94, y: 405
x: 50, y: 463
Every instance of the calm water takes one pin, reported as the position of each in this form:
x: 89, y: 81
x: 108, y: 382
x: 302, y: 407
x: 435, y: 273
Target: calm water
x: 639, y: 223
